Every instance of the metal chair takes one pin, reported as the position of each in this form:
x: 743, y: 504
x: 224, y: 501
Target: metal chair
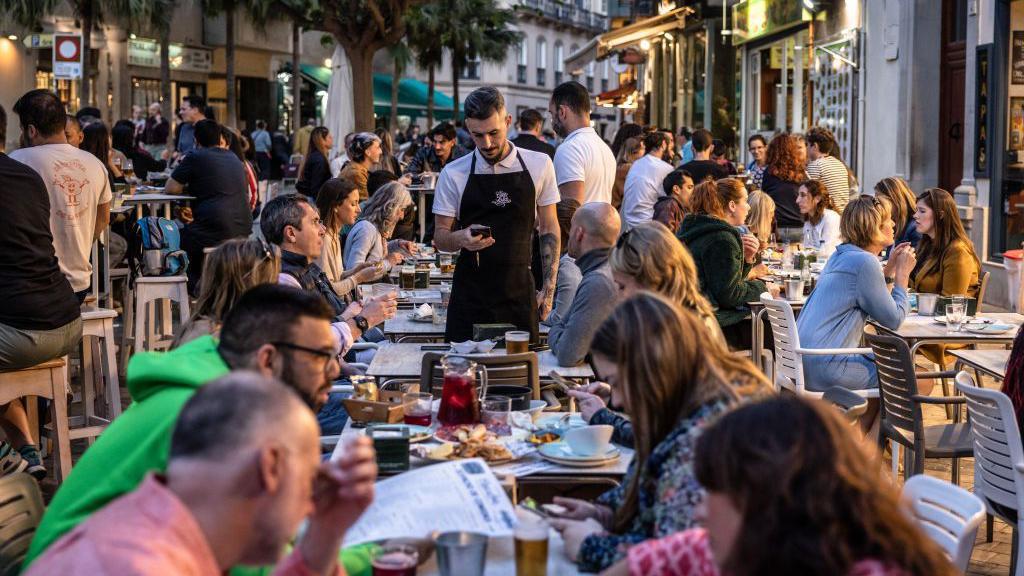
x: 21, y: 508
x: 901, y: 418
x: 998, y: 457
x: 516, y: 369
x: 789, y: 365
x: 949, y: 515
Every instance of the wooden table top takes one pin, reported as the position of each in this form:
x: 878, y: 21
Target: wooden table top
x: 917, y: 327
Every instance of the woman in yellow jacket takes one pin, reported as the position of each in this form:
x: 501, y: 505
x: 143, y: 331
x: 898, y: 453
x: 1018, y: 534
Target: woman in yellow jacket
x: 946, y: 262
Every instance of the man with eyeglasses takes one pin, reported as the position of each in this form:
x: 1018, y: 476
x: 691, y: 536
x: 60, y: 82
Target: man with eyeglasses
x: 274, y: 330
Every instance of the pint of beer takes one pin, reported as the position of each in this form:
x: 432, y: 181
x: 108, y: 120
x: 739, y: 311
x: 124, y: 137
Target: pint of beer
x: 407, y: 277
x: 531, y: 539
x: 517, y: 342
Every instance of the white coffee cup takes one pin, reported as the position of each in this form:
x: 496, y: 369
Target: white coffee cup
x: 589, y: 440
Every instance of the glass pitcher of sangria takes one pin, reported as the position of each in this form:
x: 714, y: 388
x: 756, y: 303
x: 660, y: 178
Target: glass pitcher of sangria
x: 459, y: 400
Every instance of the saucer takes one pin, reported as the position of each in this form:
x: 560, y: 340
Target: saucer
x: 561, y: 451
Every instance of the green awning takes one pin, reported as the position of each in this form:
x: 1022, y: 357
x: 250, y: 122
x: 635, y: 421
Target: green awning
x: 412, y: 94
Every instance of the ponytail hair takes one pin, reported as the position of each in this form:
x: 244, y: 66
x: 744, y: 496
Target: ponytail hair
x: 711, y: 198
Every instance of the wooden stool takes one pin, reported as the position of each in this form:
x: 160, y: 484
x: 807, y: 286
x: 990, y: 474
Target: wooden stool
x: 141, y: 303
x: 46, y: 380
x: 97, y: 337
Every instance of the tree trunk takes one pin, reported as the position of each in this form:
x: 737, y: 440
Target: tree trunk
x: 165, y: 79
x: 430, y: 97
x: 296, y: 82
x: 229, y: 57
x: 85, y: 84
x: 361, y: 60
x: 396, y: 77
x: 456, y: 72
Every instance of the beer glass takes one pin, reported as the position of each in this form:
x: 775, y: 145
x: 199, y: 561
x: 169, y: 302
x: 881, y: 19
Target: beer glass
x: 407, y: 277
x: 531, y: 542
x: 517, y: 342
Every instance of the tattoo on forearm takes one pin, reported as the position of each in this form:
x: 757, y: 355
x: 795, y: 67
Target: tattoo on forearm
x: 549, y: 250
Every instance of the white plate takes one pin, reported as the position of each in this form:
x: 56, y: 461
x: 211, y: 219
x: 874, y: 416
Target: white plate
x: 993, y: 329
x: 561, y: 451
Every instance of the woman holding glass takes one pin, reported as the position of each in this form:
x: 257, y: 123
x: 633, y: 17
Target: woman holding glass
x: 821, y: 221
x: 370, y: 238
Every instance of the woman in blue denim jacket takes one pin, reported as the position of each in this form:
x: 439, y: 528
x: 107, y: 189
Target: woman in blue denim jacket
x: 852, y: 288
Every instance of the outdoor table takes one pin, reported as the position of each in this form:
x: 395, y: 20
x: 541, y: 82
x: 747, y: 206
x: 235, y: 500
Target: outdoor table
x: 405, y: 361
x: 919, y: 330
x: 501, y: 558
x: 154, y: 201
x: 421, y: 193
x: 417, y: 296
x: 989, y: 361
x: 402, y: 326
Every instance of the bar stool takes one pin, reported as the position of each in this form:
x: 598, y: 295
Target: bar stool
x: 141, y: 303
x: 46, y: 380
x: 97, y: 337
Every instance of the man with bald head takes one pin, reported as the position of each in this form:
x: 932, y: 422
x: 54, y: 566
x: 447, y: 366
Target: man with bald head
x: 240, y: 478
x: 595, y: 227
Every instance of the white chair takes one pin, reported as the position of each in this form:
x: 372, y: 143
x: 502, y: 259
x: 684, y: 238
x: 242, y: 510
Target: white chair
x: 97, y: 337
x: 789, y: 366
x: 949, y: 515
x: 998, y: 457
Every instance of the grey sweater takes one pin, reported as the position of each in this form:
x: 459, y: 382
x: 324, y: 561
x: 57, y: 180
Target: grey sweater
x: 595, y: 299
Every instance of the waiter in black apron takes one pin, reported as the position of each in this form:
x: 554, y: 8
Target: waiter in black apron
x: 489, y: 204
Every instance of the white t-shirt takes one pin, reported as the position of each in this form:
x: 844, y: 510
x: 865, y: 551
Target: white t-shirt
x: 823, y: 236
x: 584, y: 157
x: 642, y: 189
x: 77, y: 184
x: 452, y: 181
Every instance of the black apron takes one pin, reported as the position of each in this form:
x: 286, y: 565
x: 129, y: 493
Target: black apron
x: 499, y: 289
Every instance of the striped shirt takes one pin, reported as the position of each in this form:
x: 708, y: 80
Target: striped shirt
x: 833, y: 174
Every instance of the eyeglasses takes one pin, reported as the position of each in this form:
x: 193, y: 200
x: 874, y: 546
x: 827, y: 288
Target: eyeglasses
x: 329, y: 356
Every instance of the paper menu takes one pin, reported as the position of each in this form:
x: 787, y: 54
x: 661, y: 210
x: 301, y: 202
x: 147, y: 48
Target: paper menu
x: 460, y: 495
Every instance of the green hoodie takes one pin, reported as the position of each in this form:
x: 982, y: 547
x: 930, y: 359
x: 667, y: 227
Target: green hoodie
x: 718, y: 252
x: 138, y: 441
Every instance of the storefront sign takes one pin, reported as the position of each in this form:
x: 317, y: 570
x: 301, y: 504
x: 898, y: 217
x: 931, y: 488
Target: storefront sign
x: 67, y: 56
x: 38, y: 40
x: 755, y: 18
x: 147, y: 53
x: 983, y: 112
x: 1017, y: 58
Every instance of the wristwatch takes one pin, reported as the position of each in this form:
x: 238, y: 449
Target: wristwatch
x: 361, y: 323
x: 890, y: 279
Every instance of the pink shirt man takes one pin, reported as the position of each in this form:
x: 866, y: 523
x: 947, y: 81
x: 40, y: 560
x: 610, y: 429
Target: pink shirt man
x: 145, y: 532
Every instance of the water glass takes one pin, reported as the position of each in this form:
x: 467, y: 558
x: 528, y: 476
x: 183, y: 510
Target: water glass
x: 440, y: 314
x: 954, y: 317
x: 382, y: 290
x: 495, y: 410
x: 461, y: 553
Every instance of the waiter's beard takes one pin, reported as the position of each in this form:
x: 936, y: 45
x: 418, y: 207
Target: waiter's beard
x: 498, y: 153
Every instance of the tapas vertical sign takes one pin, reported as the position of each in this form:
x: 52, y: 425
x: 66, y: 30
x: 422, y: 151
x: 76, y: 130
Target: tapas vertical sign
x: 1017, y: 57
x: 983, y: 112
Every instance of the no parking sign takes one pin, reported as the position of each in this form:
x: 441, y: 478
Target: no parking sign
x: 67, y: 56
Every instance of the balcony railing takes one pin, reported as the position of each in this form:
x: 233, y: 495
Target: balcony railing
x: 567, y: 13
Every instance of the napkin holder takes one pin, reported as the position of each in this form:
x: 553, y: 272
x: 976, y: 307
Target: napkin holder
x: 392, y: 446
x: 388, y: 409
x: 492, y: 332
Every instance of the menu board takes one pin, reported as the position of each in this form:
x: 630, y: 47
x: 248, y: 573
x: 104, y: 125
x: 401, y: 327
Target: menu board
x: 1017, y: 57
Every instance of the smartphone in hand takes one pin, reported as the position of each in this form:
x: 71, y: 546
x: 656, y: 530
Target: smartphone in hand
x: 480, y: 230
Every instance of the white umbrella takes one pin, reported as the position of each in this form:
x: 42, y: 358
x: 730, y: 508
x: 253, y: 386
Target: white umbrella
x: 340, y: 117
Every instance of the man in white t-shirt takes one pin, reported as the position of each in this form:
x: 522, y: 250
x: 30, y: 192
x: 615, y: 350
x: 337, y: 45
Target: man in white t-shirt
x: 824, y: 167
x: 644, y: 181
x: 488, y: 204
x: 584, y: 164
x: 77, y: 183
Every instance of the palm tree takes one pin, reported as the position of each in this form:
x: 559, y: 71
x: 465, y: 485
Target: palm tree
x: 229, y: 8
x: 30, y: 13
x: 426, y: 27
x: 483, y: 33
x: 361, y: 27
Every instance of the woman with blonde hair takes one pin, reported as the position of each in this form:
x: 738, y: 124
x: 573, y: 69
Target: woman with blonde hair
x: 671, y: 383
x: 314, y: 169
x: 724, y: 258
x: 229, y: 271
x: 852, y: 288
x: 761, y: 216
x: 370, y: 238
x: 632, y: 150
x: 902, y: 204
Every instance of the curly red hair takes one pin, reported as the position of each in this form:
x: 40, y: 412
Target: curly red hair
x: 783, y: 160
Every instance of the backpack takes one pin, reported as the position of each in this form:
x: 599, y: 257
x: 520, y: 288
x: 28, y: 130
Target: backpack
x: 156, y: 248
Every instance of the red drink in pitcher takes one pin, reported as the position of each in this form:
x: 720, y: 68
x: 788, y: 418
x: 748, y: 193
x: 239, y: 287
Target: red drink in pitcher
x: 458, y: 400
